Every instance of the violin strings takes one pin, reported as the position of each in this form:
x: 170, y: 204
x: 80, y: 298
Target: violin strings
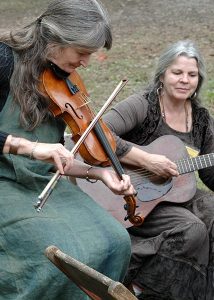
x: 84, y: 104
x: 86, y: 100
x: 137, y: 173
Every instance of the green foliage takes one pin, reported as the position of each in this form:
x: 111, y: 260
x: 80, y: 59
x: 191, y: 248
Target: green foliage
x: 208, y: 95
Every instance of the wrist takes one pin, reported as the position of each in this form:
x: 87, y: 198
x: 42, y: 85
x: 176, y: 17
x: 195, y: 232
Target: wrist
x: 25, y: 147
x: 20, y: 146
x: 136, y: 157
x: 89, y: 175
x: 144, y: 159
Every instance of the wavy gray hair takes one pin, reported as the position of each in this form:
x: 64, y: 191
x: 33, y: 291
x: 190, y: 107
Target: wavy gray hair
x: 77, y: 23
x: 186, y: 48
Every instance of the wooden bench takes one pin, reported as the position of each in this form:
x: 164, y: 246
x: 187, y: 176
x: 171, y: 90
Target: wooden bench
x: 96, y: 285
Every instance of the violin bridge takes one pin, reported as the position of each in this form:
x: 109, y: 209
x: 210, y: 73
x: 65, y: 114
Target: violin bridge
x: 83, y: 104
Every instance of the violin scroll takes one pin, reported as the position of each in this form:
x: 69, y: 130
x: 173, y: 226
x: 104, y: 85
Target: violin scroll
x: 130, y: 207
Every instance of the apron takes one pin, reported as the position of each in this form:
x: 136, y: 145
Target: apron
x: 70, y: 220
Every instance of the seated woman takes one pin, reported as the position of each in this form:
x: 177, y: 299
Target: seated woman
x: 172, y: 252
x: 65, y: 35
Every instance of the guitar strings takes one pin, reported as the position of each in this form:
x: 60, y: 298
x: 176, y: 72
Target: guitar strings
x: 181, y: 164
x: 135, y: 176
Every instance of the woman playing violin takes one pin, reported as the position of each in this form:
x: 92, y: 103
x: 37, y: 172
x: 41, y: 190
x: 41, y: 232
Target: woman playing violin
x: 66, y: 34
x: 173, y: 250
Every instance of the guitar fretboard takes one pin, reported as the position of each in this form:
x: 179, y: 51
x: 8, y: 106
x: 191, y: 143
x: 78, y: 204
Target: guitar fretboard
x: 188, y: 165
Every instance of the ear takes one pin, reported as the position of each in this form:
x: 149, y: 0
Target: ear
x: 161, y: 78
x: 53, y: 51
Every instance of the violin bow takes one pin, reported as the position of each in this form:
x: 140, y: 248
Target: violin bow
x: 43, y: 197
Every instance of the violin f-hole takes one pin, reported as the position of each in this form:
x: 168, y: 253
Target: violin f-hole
x: 67, y: 105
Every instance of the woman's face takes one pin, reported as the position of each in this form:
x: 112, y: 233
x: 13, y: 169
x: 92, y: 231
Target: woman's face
x: 181, y: 78
x: 69, y: 58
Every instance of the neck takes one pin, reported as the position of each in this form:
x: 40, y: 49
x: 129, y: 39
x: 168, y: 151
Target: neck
x: 172, y: 110
x: 172, y: 104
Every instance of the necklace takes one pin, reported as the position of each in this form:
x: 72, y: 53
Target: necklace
x: 163, y: 114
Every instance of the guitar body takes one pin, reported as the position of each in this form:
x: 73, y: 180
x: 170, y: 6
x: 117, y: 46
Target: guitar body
x: 151, y: 189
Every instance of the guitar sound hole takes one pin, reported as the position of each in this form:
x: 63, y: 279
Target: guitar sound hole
x: 153, y: 188
x: 158, y: 180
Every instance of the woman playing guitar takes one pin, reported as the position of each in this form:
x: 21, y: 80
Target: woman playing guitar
x: 173, y: 251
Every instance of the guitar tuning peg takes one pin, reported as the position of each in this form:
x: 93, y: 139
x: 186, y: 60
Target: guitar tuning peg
x: 125, y: 206
x: 126, y: 218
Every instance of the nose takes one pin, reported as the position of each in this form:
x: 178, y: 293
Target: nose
x: 184, y: 78
x: 84, y: 61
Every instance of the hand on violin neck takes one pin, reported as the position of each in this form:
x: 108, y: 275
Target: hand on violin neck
x: 115, y: 184
x: 108, y: 177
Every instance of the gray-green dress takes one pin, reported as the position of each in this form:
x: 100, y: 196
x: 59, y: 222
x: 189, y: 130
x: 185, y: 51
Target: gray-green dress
x: 70, y: 220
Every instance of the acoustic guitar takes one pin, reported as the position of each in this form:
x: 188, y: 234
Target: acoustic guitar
x: 153, y: 189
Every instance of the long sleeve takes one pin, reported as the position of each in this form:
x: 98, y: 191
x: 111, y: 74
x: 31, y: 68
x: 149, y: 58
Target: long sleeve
x: 3, y: 137
x: 124, y: 117
x: 6, y: 69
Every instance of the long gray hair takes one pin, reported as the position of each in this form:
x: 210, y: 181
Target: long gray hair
x: 186, y: 48
x: 77, y: 23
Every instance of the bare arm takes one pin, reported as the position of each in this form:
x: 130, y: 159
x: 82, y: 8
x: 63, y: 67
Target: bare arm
x: 51, y: 153
x: 108, y: 177
x: 62, y: 158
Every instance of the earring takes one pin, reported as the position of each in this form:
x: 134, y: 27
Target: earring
x: 160, y: 88
x: 193, y: 96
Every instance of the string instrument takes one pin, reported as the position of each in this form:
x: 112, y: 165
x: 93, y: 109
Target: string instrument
x: 151, y: 188
x: 70, y: 102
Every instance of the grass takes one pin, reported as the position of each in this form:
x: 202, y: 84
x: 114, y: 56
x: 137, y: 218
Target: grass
x: 102, y: 76
x: 138, y: 42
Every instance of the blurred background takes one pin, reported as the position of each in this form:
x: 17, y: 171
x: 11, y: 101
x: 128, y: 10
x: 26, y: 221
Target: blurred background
x: 141, y: 30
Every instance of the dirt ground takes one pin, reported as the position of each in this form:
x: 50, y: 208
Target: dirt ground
x: 141, y: 30
x: 156, y: 21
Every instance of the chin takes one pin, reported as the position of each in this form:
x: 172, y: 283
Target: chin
x: 69, y: 70
x: 180, y: 97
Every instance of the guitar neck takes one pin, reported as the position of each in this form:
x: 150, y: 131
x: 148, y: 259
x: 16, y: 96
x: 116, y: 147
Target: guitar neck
x: 188, y: 165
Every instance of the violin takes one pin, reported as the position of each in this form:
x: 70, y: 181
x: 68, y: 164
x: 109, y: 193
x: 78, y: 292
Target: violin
x: 70, y: 102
